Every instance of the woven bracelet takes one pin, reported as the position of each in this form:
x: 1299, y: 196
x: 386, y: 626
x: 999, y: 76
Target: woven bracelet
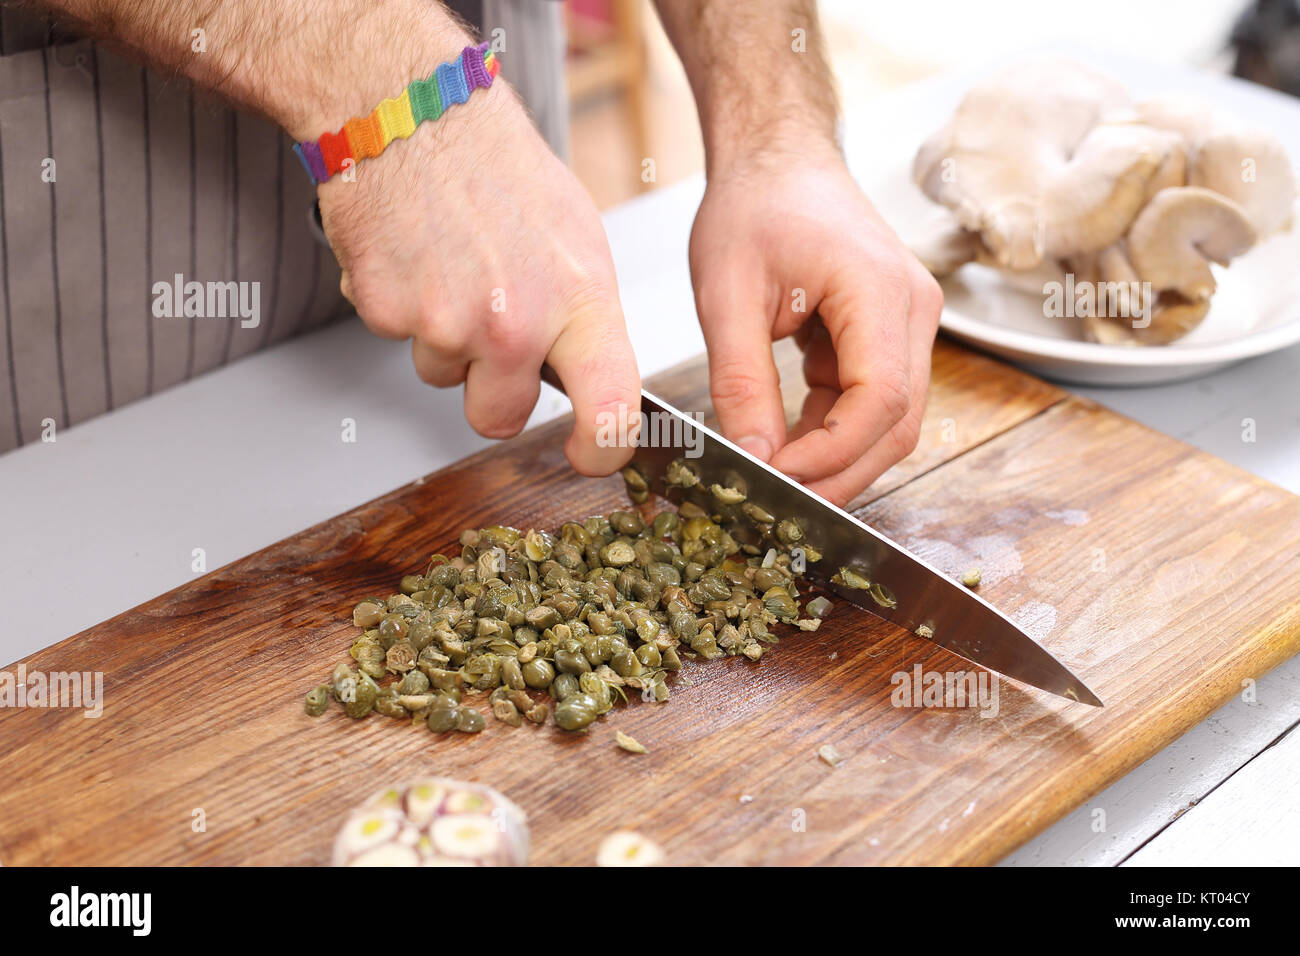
x: 397, y: 118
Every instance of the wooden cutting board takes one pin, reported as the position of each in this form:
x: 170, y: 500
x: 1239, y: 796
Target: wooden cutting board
x: 1164, y: 576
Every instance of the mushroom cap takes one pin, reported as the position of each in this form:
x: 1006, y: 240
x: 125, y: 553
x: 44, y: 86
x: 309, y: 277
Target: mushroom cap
x: 1190, y: 117
x: 1010, y: 135
x: 1091, y: 200
x: 1180, y: 232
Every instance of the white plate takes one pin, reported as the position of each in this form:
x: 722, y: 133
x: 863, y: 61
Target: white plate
x: 1255, y: 310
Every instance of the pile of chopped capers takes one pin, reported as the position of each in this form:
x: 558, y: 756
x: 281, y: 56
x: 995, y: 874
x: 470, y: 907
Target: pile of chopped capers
x: 580, y: 617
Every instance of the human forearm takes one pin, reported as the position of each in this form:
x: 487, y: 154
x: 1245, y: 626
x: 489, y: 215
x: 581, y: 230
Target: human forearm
x: 761, y: 85
x: 309, y: 66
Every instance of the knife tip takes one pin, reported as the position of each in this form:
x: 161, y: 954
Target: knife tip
x: 1080, y: 692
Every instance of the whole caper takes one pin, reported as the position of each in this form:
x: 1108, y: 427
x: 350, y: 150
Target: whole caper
x: 625, y: 663
x: 570, y: 662
x: 575, y: 711
x: 766, y: 578
x: 443, y: 715
x: 626, y: 522
x: 392, y: 629
x: 419, y: 634
x: 368, y: 613
x: 563, y: 686
x: 414, y: 682
x: 470, y: 721
x: 538, y: 673
x: 512, y: 674
x: 649, y: 655
x: 665, y: 523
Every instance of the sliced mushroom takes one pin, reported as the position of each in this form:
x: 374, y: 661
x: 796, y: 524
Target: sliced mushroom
x: 1180, y: 232
x: 1172, y: 318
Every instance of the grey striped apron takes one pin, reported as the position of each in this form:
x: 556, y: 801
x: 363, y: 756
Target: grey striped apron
x: 114, y: 178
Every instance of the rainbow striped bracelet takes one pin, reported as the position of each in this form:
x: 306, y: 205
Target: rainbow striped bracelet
x: 397, y: 118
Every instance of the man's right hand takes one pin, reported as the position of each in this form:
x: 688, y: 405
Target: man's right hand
x: 470, y: 238
x: 473, y: 240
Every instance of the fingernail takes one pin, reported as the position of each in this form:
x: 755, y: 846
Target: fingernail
x: 756, y: 445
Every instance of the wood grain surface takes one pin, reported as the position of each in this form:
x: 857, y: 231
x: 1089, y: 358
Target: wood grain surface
x: 1164, y: 576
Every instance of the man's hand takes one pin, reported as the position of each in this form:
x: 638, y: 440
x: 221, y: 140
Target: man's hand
x: 470, y: 238
x: 475, y: 242
x: 786, y: 244
x: 791, y: 246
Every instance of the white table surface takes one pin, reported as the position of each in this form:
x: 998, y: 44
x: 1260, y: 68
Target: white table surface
x: 108, y: 515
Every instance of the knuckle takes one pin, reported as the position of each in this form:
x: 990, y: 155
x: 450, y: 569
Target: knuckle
x: 889, y: 276
x: 896, y: 285
x: 381, y: 314
x: 508, y: 336
x: 892, y: 393
x: 907, y: 434
x: 605, y: 395
x: 733, y: 384
x: 927, y: 297
x: 588, y: 296
x: 441, y: 329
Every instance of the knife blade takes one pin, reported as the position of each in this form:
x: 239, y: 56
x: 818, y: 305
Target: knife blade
x: 924, y: 597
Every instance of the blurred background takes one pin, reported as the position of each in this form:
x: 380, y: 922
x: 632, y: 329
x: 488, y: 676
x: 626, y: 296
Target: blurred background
x: 629, y: 98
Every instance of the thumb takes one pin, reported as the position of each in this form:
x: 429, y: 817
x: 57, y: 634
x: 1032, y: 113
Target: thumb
x: 743, y: 379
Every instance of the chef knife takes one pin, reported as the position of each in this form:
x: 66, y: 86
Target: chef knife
x: 910, y: 593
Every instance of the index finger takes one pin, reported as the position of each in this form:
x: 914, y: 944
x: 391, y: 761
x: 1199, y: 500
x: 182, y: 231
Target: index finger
x: 593, y: 358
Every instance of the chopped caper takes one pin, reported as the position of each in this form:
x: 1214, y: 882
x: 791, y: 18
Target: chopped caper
x: 818, y: 607
x: 363, y: 697
x: 604, y: 607
x: 318, y: 698
x: 629, y: 743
